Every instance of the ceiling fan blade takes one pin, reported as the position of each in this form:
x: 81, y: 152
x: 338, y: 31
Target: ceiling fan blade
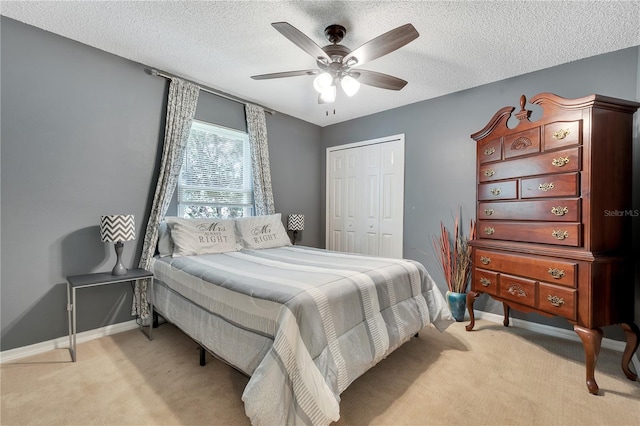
x: 381, y: 45
x: 298, y: 38
x: 377, y: 79
x: 285, y: 74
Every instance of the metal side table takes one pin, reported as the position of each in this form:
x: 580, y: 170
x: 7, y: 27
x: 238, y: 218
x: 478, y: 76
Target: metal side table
x: 92, y: 280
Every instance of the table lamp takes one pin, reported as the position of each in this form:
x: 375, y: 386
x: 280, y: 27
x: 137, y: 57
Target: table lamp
x: 295, y: 223
x: 117, y: 228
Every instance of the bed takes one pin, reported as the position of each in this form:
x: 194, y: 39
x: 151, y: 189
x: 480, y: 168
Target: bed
x: 302, y: 322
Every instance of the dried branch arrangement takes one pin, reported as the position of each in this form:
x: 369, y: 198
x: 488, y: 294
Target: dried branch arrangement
x: 454, y: 254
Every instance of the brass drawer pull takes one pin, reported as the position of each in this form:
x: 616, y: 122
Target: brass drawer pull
x: 545, y: 186
x: 485, y: 260
x: 489, y: 231
x: 561, y: 134
x: 559, y: 211
x: 485, y: 282
x: 556, y: 273
x: 560, y: 235
x: 516, y: 290
x: 560, y: 161
x: 555, y: 301
x: 489, y: 212
x: 496, y: 191
x: 489, y: 173
x: 489, y: 151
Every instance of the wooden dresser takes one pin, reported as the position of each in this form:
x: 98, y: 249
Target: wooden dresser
x: 554, y: 217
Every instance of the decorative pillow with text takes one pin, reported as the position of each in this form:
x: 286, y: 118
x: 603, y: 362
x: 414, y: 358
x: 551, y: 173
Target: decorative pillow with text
x: 260, y: 232
x: 202, y: 236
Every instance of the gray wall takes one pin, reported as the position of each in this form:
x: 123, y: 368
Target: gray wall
x: 81, y: 137
x: 80, y: 132
x: 440, y: 155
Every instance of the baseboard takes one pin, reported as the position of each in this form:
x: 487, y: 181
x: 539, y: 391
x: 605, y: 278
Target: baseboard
x: 63, y: 342
x: 556, y: 332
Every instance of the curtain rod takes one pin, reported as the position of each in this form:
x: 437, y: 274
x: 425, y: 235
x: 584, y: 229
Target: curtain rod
x: 219, y: 93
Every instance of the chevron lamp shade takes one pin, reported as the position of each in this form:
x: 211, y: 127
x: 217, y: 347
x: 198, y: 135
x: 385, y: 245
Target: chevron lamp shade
x: 295, y: 222
x: 117, y: 227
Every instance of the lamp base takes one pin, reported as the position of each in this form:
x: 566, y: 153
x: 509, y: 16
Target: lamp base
x: 119, y: 269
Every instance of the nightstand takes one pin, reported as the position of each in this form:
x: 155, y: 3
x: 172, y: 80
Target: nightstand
x: 92, y: 280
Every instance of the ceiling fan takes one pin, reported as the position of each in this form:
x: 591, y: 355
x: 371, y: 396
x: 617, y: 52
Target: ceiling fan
x: 338, y: 64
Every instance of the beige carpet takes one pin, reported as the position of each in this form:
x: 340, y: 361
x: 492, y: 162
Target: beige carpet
x: 491, y: 376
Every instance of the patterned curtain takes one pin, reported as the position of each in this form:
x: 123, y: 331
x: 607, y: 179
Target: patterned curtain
x: 262, y: 192
x: 181, y: 108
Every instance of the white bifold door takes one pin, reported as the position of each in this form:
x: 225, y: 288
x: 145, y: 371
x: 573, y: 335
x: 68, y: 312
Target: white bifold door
x: 365, y: 197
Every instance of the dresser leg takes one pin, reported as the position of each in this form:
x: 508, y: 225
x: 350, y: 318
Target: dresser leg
x: 591, y: 340
x: 632, y: 333
x: 471, y: 298
x: 506, y: 309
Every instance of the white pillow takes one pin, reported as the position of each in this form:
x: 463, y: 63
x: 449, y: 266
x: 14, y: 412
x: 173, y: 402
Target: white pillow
x: 202, y: 236
x: 165, y: 245
x: 260, y: 232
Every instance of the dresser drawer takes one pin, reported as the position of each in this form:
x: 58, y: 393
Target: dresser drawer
x: 507, y: 190
x: 490, y: 150
x: 522, y: 143
x: 560, y: 210
x: 557, y: 300
x: 563, y: 161
x: 564, y: 185
x: 518, y: 289
x: 562, y: 133
x: 540, y: 268
x: 564, y: 234
x: 485, y: 281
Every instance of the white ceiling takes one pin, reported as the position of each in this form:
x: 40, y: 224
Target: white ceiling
x: 220, y: 44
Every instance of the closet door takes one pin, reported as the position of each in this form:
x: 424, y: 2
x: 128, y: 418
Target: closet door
x: 344, y: 200
x: 352, y: 199
x: 335, y: 206
x: 391, y: 223
x: 365, y: 197
x: 370, y: 205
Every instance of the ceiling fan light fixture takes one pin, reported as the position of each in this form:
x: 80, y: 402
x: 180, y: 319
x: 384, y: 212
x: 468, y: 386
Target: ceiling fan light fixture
x: 328, y: 95
x: 334, y: 61
x: 322, y: 82
x: 350, y: 85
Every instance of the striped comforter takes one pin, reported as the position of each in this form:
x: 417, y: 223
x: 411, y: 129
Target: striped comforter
x: 331, y: 316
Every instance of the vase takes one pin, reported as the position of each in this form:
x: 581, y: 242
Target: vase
x: 457, y: 304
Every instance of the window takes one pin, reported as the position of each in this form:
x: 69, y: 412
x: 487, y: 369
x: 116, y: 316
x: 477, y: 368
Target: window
x: 215, y: 180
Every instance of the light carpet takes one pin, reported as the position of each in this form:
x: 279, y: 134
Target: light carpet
x: 491, y: 376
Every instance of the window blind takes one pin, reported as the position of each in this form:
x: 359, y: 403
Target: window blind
x: 215, y: 179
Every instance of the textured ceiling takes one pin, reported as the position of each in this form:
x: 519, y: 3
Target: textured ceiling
x: 220, y: 44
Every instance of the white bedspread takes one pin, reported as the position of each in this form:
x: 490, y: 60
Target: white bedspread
x: 331, y: 317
